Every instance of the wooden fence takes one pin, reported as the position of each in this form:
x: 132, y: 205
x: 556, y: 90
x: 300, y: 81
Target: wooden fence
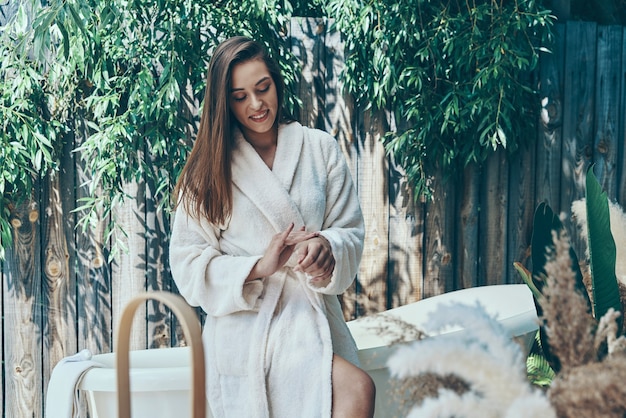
x: 60, y: 292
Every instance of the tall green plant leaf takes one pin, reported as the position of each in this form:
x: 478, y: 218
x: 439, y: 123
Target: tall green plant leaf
x: 601, y: 249
x: 527, y: 277
x: 545, y: 223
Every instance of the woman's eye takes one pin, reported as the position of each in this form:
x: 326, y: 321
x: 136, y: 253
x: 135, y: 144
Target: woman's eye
x: 264, y: 89
x: 239, y: 98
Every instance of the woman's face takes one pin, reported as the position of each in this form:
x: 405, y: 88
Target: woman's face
x: 253, y: 100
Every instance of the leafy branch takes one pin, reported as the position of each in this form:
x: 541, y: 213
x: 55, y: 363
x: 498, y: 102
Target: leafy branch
x: 455, y: 74
x: 131, y: 72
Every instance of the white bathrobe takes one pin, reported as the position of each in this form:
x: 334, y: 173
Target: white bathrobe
x: 269, y: 343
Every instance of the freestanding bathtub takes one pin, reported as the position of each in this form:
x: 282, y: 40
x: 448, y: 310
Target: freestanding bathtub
x: 160, y: 378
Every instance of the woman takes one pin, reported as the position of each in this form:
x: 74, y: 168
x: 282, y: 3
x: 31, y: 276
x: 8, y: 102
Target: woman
x: 268, y: 231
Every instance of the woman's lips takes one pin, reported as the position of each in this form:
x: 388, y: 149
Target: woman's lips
x: 260, y: 117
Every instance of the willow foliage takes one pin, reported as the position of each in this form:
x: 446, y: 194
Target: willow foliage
x: 127, y: 73
x: 455, y: 74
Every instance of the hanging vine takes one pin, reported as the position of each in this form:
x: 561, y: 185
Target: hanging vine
x: 132, y: 70
x: 455, y: 73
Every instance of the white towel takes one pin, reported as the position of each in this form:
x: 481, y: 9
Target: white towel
x: 61, y: 401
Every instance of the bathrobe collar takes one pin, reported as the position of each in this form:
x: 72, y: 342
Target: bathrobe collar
x: 269, y: 189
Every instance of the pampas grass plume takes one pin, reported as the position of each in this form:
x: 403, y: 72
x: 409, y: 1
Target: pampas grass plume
x: 482, y: 355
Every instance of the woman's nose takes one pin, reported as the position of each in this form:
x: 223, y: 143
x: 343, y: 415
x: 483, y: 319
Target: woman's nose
x: 255, y: 102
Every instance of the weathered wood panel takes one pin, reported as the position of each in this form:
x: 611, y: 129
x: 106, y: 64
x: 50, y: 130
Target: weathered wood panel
x: 23, y: 324
x: 372, y: 166
x: 159, y: 316
x: 579, y: 51
x: 549, y: 138
x: 579, y: 75
x: 128, y: 278
x: 406, y: 238
x: 59, y: 284
x: 521, y: 210
x: 307, y: 36
x: 93, y: 272
x: 439, y: 239
x: 494, y: 229
x: 467, y: 254
x: 338, y: 114
x: 607, y: 87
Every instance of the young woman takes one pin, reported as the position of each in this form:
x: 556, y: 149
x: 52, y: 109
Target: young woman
x: 267, y: 232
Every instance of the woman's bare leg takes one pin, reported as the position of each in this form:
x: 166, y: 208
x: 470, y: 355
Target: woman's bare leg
x: 354, y: 392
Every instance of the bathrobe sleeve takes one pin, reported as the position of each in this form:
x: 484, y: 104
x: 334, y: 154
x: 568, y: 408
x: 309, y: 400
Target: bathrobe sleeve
x: 343, y: 223
x: 205, y: 276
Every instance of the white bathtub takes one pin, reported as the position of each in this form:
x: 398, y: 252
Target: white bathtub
x: 160, y: 379
x: 511, y: 305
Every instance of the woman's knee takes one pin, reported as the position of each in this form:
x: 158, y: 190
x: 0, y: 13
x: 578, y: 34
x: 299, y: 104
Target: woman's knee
x: 364, y: 385
x: 353, y: 388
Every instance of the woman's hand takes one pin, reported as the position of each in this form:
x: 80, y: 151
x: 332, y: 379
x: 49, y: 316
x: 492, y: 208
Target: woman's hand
x: 316, y: 258
x: 278, y: 252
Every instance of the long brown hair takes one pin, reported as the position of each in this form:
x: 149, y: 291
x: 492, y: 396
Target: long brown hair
x: 204, y: 186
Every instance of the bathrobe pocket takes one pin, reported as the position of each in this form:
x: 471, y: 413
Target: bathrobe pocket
x: 233, y: 342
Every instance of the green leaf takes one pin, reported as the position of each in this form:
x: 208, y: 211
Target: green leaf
x: 602, y: 252
x: 66, y: 39
x: 538, y: 368
x: 545, y: 222
x: 21, y: 19
x: 527, y: 277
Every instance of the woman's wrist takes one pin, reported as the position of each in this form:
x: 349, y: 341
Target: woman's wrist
x: 255, y: 273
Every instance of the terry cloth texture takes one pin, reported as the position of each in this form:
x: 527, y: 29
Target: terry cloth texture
x: 61, y: 401
x: 269, y: 343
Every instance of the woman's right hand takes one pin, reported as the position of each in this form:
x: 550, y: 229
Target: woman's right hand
x: 278, y: 252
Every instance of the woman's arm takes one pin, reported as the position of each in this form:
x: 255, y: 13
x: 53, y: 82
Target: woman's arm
x: 343, y: 228
x: 205, y: 276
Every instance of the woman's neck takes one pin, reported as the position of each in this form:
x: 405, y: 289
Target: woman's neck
x: 264, y: 144
x: 260, y: 140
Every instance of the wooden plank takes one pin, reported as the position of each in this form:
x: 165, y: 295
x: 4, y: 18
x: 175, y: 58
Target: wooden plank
x: 548, y: 168
x: 551, y: 119
x: 338, y: 113
x: 579, y: 50
x: 373, y: 192
x: 190, y: 112
x: 579, y: 54
x: 468, y: 232
x: 307, y: 44
x: 607, y: 116
x: 23, y: 324
x: 406, y: 246
x: 521, y: 210
x: 159, y: 316
x: 439, y: 239
x: 338, y: 106
x: 406, y: 233
x: 128, y: 272
x: 93, y: 283
x: 94, y: 291
x: 492, y: 265
x: 59, y: 284
x: 93, y: 275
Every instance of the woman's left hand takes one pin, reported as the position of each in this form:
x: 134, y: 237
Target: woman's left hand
x: 315, y: 258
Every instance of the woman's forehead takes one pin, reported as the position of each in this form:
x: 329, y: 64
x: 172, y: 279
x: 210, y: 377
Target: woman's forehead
x: 248, y: 73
